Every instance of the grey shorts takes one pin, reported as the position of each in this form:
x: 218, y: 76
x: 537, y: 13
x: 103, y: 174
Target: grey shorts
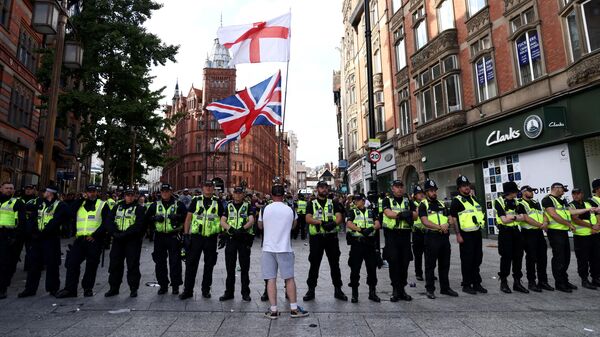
x: 271, y: 262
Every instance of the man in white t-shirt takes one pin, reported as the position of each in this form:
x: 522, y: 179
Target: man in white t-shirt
x: 277, y: 220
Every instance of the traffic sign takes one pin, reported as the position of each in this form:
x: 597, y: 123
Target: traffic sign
x: 374, y: 156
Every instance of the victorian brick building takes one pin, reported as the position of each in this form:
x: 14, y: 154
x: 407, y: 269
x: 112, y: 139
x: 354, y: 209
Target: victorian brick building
x: 251, y: 162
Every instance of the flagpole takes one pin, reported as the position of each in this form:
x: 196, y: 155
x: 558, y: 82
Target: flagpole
x: 282, y: 126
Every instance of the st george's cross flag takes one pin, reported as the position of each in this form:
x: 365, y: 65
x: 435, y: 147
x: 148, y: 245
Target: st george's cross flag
x: 267, y: 41
x: 258, y: 105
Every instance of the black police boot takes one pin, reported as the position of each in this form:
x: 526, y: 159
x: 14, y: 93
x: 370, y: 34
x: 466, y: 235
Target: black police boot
x: 395, y: 297
x: 88, y: 293
x: 162, y: 290
x: 588, y: 285
x: 206, y: 293
x: 469, y: 290
x: 517, y: 286
x: 373, y: 294
x: 354, y: 298
x: 265, y: 296
x: 430, y: 295
x: 175, y: 290
x: 419, y: 277
x: 564, y: 288
x: 111, y: 292
x: 480, y: 289
x: 185, y: 295
x: 26, y: 293
x: 310, y: 295
x: 246, y: 298
x: 226, y: 297
x: 403, y: 295
x: 133, y: 293
x: 65, y: 294
x: 534, y: 287
x: 504, y: 287
x: 449, y: 292
x: 571, y: 286
x: 339, y: 294
x: 596, y: 282
x: 545, y: 286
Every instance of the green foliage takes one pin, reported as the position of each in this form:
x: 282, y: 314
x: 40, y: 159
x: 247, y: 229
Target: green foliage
x: 116, y: 100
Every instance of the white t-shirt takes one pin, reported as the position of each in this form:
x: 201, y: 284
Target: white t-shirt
x: 277, y: 221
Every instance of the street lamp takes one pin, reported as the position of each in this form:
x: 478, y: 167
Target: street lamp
x: 215, y: 151
x: 73, y: 55
x: 45, y: 16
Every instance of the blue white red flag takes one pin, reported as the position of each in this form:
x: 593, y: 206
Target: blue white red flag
x: 257, y: 105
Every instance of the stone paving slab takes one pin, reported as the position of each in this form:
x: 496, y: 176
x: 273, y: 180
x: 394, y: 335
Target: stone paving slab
x: 494, y: 314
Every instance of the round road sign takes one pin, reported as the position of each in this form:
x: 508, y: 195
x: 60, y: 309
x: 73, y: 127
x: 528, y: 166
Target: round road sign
x: 374, y: 156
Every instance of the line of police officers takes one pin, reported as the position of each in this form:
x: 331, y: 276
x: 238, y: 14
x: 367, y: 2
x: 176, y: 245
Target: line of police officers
x: 426, y: 219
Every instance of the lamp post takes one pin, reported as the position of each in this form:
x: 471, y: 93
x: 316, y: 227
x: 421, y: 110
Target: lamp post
x: 214, y: 156
x: 50, y: 18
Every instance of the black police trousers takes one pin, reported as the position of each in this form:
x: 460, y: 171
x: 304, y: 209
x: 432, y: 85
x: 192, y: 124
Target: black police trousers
x: 238, y: 246
x: 125, y: 249
x: 536, y: 255
x: 510, y: 248
x: 9, y: 256
x: 206, y: 245
x: 82, y: 250
x: 471, y: 257
x: 397, y: 252
x: 300, y: 228
x: 330, y: 245
x: 437, y: 251
x: 167, y: 246
x: 360, y: 251
x: 587, y: 251
x: 418, y: 248
x: 44, y: 252
x: 561, y: 255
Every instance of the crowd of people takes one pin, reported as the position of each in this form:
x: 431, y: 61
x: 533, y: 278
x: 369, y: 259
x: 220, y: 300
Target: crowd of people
x: 184, y: 227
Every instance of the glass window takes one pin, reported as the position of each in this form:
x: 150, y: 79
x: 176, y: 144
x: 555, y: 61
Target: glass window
x: 380, y: 118
x: 453, y: 93
x: 4, y: 12
x: 26, y: 51
x: 450, y: 63
x: 21, y: 106
x: 379, y: 97
x: 529, y: 56
x: 436, y: 71
x: 396, y: 4
x: 475, y: 6
x: 425, y: 77
x: 400, y: 54
x: 486, y: 81
x: 426, y: 107
x: 404, y: 118
x: 421, y: 34
x: 377, y: 62
x: 445, y: 15
x: 591, y: 19
x: 526, y: 17
x: 574, y: 38
x: 438, y: 100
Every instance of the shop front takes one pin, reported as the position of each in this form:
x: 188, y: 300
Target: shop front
x: 556, y: 142
x: 355, y: 177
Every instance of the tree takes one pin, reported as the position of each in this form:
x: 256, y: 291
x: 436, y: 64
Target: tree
x: 115, y: 104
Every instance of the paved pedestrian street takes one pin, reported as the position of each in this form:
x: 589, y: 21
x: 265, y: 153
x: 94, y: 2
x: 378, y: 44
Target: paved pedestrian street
x: 494, y: 314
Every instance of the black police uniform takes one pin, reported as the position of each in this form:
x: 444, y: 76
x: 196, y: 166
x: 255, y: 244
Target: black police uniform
x: 44, y: 250
x: 536, y: 248
x: 324, y: 243
x: 397, y: 251
x: 362, y: 248
x: 167, y: 245
x: 561, y: 248
x: 10, y: 249
x: 126, y: 246
x: 437, y: 248
x: 239, y: 244
x: 596, y: 237
x: 471, y: 250
x: 199, y: 245
x: 587, y: 250
x: 418, y: 241
x: 510, y: 245
x: 85, y: 250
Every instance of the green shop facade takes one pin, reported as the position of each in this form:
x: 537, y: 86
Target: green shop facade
x: 558, y: 141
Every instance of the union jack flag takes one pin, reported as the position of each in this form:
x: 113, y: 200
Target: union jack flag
x: 257, y: 105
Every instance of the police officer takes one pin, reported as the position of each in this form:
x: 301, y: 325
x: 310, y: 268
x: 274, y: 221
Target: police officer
x: 89, y: 239
x: 44, y: 250
x: 323, y: 216
x: 202, y: 227
x: 595, y: 202
x: 510, y: 245
x: 467, y: 217
x: 434, y: 216
x: 398, y: 216
x: 361, y: 224
x: 532, y: 232
x: 12, y: 227
x: 301, y: 211
x: 126, y: 225
x: 238, y: 224
x: 418, y: 234
x: 559, y: 223
x: 165, y: 218
x: 584, y: 240
x: 29, y: 198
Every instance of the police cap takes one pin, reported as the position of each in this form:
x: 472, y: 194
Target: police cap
x: 462, y: 181
x: 430, y: 185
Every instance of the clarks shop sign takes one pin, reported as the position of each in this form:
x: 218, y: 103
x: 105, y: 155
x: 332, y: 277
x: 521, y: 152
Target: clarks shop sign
x: 532, y: 128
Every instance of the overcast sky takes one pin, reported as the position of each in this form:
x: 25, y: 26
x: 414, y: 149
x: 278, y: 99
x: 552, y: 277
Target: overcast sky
x: 316, y: 33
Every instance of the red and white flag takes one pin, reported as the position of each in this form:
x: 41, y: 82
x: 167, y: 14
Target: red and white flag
x: 267, y: 41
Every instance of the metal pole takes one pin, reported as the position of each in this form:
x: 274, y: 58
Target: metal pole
x: 131, y: 178
x: 282, y: 126
x: 370, y: 103
x: 45, y: 174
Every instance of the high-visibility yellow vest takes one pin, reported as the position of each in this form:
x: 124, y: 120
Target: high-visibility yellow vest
x: 208, y: 223
x: 89, y: 221
x: 301, y: 207
x: 469, y: 215
x: 418, y: 224
x: 323, y: 214
x: 363, y: 220
x: 380, y: 205
x: 8, y: 216
x: 582, y: 230
x: 111, y: 203
x: 500, y: 201
x: 397, y: 208
x: 45, y: 214
x: 165, y: 226
x: 237, y: 218
x: 437, y: 217
x: 562, y: 212
x: 533, y: 212
x: 125, y: 218
x: 596, y: 200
